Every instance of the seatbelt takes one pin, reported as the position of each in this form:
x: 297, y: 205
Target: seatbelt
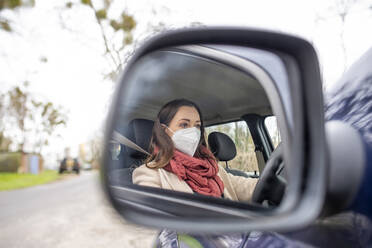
x: 127, y: 142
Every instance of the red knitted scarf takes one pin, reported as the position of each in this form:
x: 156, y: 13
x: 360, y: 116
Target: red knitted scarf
x: 200, y: 174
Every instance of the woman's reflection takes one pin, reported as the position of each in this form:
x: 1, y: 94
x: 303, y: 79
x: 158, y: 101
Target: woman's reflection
x: 180, y: 158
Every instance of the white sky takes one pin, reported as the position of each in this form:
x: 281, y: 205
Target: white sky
x: 73, y: 75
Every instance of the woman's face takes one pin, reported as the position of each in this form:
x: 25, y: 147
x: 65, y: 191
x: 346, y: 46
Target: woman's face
x: 185, y: 117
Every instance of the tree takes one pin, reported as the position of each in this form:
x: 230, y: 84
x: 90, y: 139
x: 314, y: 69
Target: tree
x: 239, y: 132
x: 5, y: 23
x: 119, y: 34
x: 341, y: 9
x: 4, y: 143
x: 116, y: 33
x: 94, y: 150
x: 19, y: 110
x: 50, y: 117
x: 30, y: 118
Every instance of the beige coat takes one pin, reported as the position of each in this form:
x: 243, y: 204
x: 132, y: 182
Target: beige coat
x: 237, y: 188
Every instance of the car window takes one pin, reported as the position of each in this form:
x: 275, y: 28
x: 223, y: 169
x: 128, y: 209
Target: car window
x: 271, y: 126
x: 245, y: 159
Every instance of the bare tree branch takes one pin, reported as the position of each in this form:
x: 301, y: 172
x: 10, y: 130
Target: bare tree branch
x: 104, y: 37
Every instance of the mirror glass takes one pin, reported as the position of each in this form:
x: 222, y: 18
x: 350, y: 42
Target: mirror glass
x: 228, y: 117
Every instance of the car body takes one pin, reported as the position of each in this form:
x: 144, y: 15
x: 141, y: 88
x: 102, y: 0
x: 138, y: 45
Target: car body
x: 350, y: 101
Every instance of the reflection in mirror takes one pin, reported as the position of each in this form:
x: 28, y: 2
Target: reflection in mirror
x: 244, y: 162
x: 189, y: 120
x: 271, y: 125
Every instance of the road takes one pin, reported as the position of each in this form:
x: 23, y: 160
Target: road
x: 67, y: 213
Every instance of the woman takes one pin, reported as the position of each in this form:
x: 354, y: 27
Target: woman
x: 180, y: 158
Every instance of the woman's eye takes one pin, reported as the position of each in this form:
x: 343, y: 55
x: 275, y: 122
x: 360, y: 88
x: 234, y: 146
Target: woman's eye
x: 183, y: 125
x: 198, y: 126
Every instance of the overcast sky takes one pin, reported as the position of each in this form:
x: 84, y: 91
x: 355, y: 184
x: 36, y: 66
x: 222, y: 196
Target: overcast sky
x: 73, y: 74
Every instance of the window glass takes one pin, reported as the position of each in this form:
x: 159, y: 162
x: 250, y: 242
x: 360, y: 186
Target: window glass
x: 245, y: 159
x: 271, y: 125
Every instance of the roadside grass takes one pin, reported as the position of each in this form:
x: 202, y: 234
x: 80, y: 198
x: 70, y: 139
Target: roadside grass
x: 9, y: 181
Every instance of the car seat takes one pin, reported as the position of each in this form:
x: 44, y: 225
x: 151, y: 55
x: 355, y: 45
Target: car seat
x: 139, y: 131
x: 224, y: 149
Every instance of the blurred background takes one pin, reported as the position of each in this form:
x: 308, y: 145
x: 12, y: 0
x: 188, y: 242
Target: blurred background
x: 59, y: 64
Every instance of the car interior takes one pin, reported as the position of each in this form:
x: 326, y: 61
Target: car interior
x: 224, y: 149
x: 139, y: 131
x: 224, y: 94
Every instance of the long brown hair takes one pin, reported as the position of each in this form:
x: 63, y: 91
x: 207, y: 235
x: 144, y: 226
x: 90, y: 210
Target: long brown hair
x: 161, y: 141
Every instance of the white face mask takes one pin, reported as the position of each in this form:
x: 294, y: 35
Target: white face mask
x: 186, y: 140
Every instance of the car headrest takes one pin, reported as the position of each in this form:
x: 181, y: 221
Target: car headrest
x: 140, y: 132
x: 222, y: 146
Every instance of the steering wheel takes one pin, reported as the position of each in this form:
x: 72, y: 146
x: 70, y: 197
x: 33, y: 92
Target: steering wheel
x: 271, y: 185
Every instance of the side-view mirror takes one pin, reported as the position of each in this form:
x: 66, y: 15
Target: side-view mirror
x: 238, y: 77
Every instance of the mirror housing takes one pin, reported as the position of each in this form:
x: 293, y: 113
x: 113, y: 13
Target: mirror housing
x: 303, y: 130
